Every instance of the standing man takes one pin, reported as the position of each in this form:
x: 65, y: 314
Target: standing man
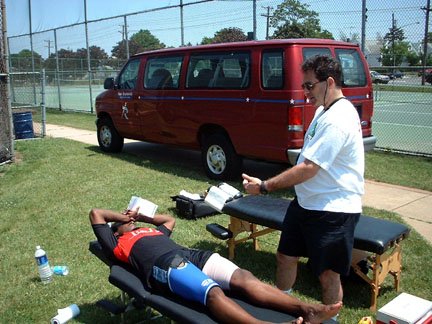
x: 328, y: 181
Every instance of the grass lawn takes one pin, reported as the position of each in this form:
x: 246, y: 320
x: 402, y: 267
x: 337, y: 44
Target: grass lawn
x: 46, y: 195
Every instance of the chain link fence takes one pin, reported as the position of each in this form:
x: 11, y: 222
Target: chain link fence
x: 392, y: 38
x: 28, y: 104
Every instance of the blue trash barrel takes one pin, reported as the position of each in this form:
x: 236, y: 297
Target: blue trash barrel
x: 23, y: 125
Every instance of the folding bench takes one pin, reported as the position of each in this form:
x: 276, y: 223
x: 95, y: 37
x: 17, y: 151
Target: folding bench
x: 380, y: 240
x: 171, y: 306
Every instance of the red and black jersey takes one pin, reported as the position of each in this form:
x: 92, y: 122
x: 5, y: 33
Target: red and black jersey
x: 143, y: 246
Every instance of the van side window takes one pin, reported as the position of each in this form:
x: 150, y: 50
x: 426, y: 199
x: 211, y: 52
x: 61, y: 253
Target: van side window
x: 313, y: 51
x: 230, y: 70
x: 272, y: 70
x: 163, y: 72
x: 128, y: 77
x: 353, y: 70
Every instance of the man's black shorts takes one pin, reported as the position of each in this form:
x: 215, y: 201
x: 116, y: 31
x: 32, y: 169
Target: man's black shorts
x: 326, y: 238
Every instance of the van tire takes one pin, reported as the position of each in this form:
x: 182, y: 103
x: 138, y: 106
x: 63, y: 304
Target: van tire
x: 108, y: 138
x: 220, y: 160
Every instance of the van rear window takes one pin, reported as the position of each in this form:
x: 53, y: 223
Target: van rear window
x: 163, y: 72
x: 353, y: 70
x: 227, y: 70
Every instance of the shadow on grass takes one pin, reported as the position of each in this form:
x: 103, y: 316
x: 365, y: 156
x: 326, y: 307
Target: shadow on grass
x: 182, y: 162
x: 262, y: 264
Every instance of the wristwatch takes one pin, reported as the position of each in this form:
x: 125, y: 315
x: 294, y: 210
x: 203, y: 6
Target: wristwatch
x: 263, y: 189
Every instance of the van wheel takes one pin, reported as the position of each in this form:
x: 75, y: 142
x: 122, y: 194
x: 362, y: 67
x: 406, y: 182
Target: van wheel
x: 108, y: 137
x: 219, y: 158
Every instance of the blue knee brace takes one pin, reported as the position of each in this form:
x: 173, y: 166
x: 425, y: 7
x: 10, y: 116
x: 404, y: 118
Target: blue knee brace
x: 190, y: 282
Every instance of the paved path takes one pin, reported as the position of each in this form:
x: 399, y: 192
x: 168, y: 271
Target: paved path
x: 414, y: 205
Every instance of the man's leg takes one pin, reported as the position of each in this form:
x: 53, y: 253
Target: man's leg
x: 286, y: 271
x: 228, y: 311
x: 331, y: 287
x: 265, y: 295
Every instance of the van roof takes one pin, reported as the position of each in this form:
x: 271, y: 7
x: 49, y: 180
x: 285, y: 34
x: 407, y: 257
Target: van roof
x: 273, y: 42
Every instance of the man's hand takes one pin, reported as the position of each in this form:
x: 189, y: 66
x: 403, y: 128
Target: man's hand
x: 133, y: 215
x: 251, y: 184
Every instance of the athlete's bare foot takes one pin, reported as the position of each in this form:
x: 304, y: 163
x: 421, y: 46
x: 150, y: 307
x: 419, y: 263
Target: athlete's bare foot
x: 316, y: 314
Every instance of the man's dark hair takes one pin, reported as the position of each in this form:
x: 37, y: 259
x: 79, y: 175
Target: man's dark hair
x: 324, y: 66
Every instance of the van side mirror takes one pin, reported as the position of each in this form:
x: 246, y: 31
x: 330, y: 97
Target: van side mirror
x: 109, y: 83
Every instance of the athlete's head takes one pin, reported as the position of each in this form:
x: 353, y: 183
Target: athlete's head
x: 119, y: 228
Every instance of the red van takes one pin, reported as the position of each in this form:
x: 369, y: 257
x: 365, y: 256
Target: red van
x: 231, y: 101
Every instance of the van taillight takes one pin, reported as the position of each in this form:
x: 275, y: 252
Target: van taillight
x: 295, y: 119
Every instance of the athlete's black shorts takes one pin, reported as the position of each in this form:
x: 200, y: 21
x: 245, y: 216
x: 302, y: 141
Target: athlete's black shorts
x: 326, y: 238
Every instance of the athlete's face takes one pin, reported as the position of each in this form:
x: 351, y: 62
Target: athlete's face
x: 126, y: 227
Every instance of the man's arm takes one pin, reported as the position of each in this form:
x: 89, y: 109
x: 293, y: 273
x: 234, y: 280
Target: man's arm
x: 288, y: 178
x: 158, y: 219
x: 102, y: 216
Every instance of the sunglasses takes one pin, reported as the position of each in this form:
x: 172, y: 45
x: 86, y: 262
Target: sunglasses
x: 309, y: 85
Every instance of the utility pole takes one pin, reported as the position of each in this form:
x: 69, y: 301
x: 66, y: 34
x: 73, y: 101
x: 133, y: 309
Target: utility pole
x: 254, y: 21
x: 425, y: 45
x: 393, y: 39
x: 49, y: 46
x: 363, y: 27
x: 268, y: 20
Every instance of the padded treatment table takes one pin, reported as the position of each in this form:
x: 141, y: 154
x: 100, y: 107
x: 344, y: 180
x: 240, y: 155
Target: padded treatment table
x: 174, y: 307
x: 377, y: 239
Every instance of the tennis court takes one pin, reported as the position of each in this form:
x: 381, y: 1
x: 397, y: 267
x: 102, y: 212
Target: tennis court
x: 403, y: 121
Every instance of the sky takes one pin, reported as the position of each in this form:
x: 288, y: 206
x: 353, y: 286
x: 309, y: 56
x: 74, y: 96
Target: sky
x: 203, y: 20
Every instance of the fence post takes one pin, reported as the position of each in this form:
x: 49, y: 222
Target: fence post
x: 43, y: 108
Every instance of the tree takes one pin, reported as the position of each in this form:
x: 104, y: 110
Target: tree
x: 141, y: 41
x: 23, y: 61
x: 97, y: 54
x: 207, y: 40
x: 352, y: 38
x: 225, y: 35
x: 228, y: 35
x: 291, y: 19
x: 395, y: 49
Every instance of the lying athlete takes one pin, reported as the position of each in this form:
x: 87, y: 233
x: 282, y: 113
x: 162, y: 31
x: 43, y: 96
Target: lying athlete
x: 197, y: 275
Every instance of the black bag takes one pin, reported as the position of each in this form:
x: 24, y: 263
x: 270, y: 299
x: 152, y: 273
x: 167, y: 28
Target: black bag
x: 191, y: 208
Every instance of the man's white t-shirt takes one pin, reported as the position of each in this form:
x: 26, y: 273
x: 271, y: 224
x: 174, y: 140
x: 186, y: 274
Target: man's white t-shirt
x: 334, y: 142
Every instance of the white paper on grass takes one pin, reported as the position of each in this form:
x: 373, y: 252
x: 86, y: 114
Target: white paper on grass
x: 142, y: 206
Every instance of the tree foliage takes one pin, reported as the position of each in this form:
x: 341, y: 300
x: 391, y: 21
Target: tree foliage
x: 395, y: 50
x: 23, y: 60
x: 226, y: 35
x: 141, y: 41
x: 292, y: 19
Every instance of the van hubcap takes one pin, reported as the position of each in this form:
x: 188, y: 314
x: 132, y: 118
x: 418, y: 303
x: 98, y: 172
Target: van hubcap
x: 216, y: 159
x: 105, y: 136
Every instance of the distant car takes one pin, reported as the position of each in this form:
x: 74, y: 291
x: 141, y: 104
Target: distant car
x: 427, y: 71
x: 428, y: 77
x: 395, y: 75
x: 379, y: 78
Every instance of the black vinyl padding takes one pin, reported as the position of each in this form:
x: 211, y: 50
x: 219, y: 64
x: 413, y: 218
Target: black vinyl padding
x: 371, y: 234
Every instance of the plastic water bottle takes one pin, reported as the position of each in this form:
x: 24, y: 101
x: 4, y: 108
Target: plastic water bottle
x: 60, y: 270
x: 45, y: 272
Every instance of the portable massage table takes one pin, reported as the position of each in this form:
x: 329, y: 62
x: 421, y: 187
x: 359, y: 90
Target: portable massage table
x: 173, y: 307
x: 377, y: 239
